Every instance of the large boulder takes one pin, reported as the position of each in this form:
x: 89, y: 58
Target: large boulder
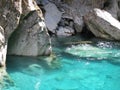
x: 52, y: 16
x: 31, y: 37
x: 102, y: 24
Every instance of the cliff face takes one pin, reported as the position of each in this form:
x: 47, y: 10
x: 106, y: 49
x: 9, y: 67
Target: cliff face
x: 10, y: 15
x: 31, y: 37
x: 23, y: 20
x: 70, y: 15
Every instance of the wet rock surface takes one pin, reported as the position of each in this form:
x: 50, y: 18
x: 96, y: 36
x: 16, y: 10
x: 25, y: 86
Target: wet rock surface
x: 102, y: 24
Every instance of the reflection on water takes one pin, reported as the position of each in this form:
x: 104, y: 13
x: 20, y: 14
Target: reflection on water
x: 93, y: 66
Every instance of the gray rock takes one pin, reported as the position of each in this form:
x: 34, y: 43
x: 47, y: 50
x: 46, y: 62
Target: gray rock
x: 78, y: 24
x: 3, y: 48
x: 52, y: 16
x: 43, y: 2
x: 76, y: 9
x: 102, y: 24
x: 10, y: 13
x: 31, y: 37
x: 112, y: 7
x: 65, y: 31
x: 9, y: 17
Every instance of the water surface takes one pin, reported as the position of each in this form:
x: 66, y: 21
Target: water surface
x: 93, y: 66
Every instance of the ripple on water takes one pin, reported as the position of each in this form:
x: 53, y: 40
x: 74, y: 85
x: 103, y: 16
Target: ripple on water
x: 83, y: 67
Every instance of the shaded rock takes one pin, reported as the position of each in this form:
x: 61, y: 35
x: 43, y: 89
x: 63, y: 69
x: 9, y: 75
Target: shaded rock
x: 43, y: 2
x: 65, y: 31
x: 76, y: 9
x: 112, y: 7
x: 102, y: 24
x: 66, y: 22
x: 118, y: 13
x: 52, y: 16
x: 78, y: 24
x: 31, y: 37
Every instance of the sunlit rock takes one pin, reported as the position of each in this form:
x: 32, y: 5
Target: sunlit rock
x: 102, y: 24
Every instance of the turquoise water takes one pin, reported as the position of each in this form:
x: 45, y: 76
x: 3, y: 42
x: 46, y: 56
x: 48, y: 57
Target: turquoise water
x: 93, y: 66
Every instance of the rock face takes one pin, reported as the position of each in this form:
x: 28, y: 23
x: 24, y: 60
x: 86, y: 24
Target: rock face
x: 10, y: 12
x: 102, y: 24
x: 52, y: 16
x: 24, y: 21
x: 31, y: 37
x: 3, y: 47
x: 76, y: 9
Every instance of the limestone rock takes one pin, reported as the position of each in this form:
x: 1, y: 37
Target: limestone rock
x: 65, y: 31
x: 52, y: 16
x: 31, y: 37
x: 78, y: 24
x: 102, y: 24
x: 76, y: 9
x: 3, y: 48
x: 10, y: 12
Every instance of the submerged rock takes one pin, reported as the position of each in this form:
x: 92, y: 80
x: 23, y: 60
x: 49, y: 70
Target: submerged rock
x: 33, y: 70
x: 102, y: 24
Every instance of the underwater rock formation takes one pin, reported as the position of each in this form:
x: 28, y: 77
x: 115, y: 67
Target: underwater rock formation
x: 52, y: 16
